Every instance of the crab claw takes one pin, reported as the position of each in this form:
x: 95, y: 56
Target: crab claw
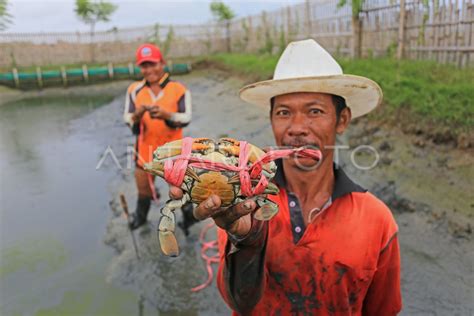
x: 271, y: 188
x: 166, y: 228
x: 156, y: 168
x: 231, y: 147
x: 267, y: 209
x: 174, y: 148
x: 170, y: 149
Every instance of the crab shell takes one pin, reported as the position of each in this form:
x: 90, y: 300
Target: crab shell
x: 200, y: 183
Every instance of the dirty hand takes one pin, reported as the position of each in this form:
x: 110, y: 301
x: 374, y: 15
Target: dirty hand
x: 137, y: 115
x: 156, y: 112
x: 236, y: 220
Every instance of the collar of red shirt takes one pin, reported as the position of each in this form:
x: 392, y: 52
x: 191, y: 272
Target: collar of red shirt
x: 342, y: 184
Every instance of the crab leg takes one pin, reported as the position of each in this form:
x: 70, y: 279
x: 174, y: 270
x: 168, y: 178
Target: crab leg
x: 166, y: 228
x: 267, y: 209
x: 232, y: 148
x: 271, y: 189
x: 174, y: 148
x: 167, y: 225
x: 155, y: 167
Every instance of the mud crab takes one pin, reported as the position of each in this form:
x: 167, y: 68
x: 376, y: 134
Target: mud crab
x: 199, y: 183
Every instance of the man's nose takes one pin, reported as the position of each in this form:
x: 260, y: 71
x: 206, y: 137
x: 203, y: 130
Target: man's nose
x: 298, y: 126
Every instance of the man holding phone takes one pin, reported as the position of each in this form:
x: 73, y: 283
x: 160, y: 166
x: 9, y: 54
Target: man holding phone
x: 156, y: 110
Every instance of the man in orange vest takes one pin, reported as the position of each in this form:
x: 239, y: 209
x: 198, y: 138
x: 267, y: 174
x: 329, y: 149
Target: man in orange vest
x: 156, y: 109
x: 332, y: 249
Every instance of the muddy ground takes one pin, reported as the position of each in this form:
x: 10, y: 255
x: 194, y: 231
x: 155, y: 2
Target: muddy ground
x: 427, y: 186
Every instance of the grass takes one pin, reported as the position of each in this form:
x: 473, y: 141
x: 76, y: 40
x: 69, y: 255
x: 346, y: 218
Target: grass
x: 436, y: 94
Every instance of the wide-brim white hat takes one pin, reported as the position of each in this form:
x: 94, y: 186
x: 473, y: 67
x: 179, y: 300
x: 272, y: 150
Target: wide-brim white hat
x: 305, y: 66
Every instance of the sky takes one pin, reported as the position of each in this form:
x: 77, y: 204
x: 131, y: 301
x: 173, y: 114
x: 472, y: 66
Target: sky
x: 58, y: 15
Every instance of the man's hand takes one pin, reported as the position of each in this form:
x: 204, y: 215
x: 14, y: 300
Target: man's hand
x: 156, y: 112
x: 236, y: 220
x: 137, y: 115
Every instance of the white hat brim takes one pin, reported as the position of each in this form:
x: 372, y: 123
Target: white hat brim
x: 362, y: 95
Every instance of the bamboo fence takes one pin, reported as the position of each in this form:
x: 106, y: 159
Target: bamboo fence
x: 440, y: 30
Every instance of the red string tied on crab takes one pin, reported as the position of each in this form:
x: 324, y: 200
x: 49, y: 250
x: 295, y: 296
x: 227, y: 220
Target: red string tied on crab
x: 175, y: 169
x: 245, y: 176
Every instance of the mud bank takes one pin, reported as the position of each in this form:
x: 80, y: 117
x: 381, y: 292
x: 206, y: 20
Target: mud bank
x: 428, y: 189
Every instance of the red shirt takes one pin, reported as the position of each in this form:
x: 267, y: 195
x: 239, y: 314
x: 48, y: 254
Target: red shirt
x: 347, y: 261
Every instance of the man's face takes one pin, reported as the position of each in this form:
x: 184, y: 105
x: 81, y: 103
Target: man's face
x: 307, y: 119
x: 152, y: 72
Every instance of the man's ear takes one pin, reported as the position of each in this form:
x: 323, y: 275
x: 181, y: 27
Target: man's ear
x: 344, y: 120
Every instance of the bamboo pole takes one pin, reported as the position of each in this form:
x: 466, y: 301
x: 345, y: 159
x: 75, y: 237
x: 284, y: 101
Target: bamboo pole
x: 85, y: 73
x: 308, y: 18
x: 131, y: 70
x: 401, y: 31
x: 16, y: 79
x: 64, y: 75
x: 39, y: 77
x: 110, y: 68
x: 469, y: 43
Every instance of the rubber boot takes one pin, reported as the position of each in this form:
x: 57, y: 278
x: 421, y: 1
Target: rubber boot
x: 141, y: 212
x: 188, y: 218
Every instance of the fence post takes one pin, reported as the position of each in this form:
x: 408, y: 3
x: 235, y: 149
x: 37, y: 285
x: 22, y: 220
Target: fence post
x: 227, y: 35
x: 356, y: 23
x: 131, y: 70
x: 110, y: 69
x: 85, y: 73
x: 39, y: 77
x: 16, y: 78
x: 469, y: 43
x: 401, y: 31
x: 289, y: 26
x: 64, y: 75
x: 356, y: 36
x: 308, y: 18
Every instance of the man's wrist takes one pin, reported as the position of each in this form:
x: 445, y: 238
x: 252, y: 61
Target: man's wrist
x: 167, y: 115
x: 138, y: 114
x: 251, y: 238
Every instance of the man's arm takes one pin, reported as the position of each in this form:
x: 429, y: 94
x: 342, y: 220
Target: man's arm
x: 132, y: 115
x: 241, y: 277
x: 183, y: 116
x: 245, y: 256
x: 384, y: 294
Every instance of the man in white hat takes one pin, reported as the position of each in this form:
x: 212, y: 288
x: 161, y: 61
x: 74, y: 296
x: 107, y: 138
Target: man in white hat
x: 332, y: 249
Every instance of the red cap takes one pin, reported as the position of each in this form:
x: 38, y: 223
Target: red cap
x: 148, y: 52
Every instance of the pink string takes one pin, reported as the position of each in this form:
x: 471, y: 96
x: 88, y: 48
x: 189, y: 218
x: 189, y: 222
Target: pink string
x: 152, y: 188
x: 176, y: 169
x: 205, y: 246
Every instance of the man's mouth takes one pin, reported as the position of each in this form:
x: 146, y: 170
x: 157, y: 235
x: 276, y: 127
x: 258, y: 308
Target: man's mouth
x: 301, y: 144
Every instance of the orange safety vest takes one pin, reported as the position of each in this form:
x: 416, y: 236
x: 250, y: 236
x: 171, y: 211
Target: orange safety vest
x: 152, y: 133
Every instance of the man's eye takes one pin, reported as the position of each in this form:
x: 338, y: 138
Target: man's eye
x: 315, y: 111
x: 282, y: 112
